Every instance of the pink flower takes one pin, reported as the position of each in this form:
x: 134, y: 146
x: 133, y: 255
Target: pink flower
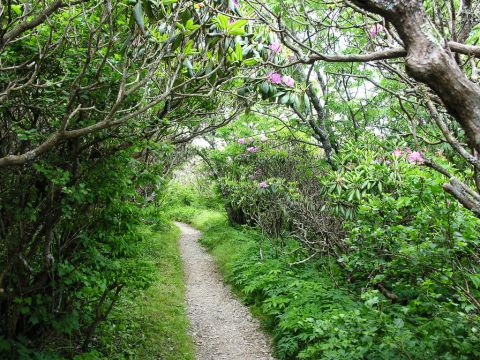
x: 241, y: 141
x: 231, y: 21
x: 251, y: 140
x: 276, y: 47
x: 275, y: 78
x: 252, y: 177
x: 416, y: 158
x: 288, y: 81
x: 375, y: 29
x: 252, y: 149
x: 397, y: 152
x: 263, y: 185
x: 388, y: 162
x: 408, y: 150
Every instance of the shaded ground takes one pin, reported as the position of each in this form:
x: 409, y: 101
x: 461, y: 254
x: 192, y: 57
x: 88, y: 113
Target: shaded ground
x: 222, y: 327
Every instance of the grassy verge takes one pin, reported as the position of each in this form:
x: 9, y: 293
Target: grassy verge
x: 227, y: 244
x: 153, y: 324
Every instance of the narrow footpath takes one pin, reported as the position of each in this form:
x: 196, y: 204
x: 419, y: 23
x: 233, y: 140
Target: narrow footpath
x: 222, y: 327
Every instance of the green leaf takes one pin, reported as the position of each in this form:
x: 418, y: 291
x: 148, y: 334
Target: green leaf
x: 238, y: 51
x: 358, y: 195
x: 351, y: 194
x: 284, y: 99
x: 236, y: 28
x: 306, y: 102
x: 264, y: 88
x: 249, y: 62
x: 221, y: 21
x: 138, y: 15
x: 475, y: 278
x: 176, y: 41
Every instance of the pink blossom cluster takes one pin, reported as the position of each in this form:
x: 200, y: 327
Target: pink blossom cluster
x: 375, y: 29
x: 276, y: 47
x: 397, y: 152
x: 262, y: 185
x: 276, y: 78
x: 249, y: 142
x: 243, y: 141
x: 414, y: 157
x: 288, y: 81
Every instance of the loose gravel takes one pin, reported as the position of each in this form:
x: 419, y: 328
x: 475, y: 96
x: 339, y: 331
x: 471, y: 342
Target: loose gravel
x: 222, y: 327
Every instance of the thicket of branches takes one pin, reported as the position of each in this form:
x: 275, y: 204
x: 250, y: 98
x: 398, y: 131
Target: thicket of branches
x: 98, y: 101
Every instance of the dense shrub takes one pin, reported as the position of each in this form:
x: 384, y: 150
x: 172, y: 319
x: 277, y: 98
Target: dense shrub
x: 58, y: 297
x: 314, y: 313
x: 368, y: 259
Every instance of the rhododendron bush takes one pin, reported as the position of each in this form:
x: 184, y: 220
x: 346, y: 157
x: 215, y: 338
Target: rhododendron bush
x: 379, y: 224
x: 347, y: 133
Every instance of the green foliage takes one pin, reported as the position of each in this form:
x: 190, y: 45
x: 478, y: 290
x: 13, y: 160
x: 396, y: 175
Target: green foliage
x: 91, y: 269
x: 88, y: 94
x: 362, y: 253
x: 315, y: 316
x: 153, y: 323
x: 182, y: 201
x: 370, y: 259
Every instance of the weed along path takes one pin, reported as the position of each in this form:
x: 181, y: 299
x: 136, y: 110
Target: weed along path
x: 222, y: 327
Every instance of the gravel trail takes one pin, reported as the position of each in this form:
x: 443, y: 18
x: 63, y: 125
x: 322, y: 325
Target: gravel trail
x: 222, y: 327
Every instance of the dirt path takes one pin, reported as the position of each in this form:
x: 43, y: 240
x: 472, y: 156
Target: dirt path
x: 222, y: 327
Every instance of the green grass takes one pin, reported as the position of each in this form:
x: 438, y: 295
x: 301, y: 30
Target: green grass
x: 162, y: 306
x: 153, y: 324
x: 220, y: 239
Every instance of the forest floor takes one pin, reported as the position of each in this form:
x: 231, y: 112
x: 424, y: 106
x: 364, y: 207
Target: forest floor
x: 222, y: 327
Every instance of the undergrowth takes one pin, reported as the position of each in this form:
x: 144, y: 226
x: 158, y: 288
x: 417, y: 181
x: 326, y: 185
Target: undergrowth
x: 152, y: 324
x: 314, y: 316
